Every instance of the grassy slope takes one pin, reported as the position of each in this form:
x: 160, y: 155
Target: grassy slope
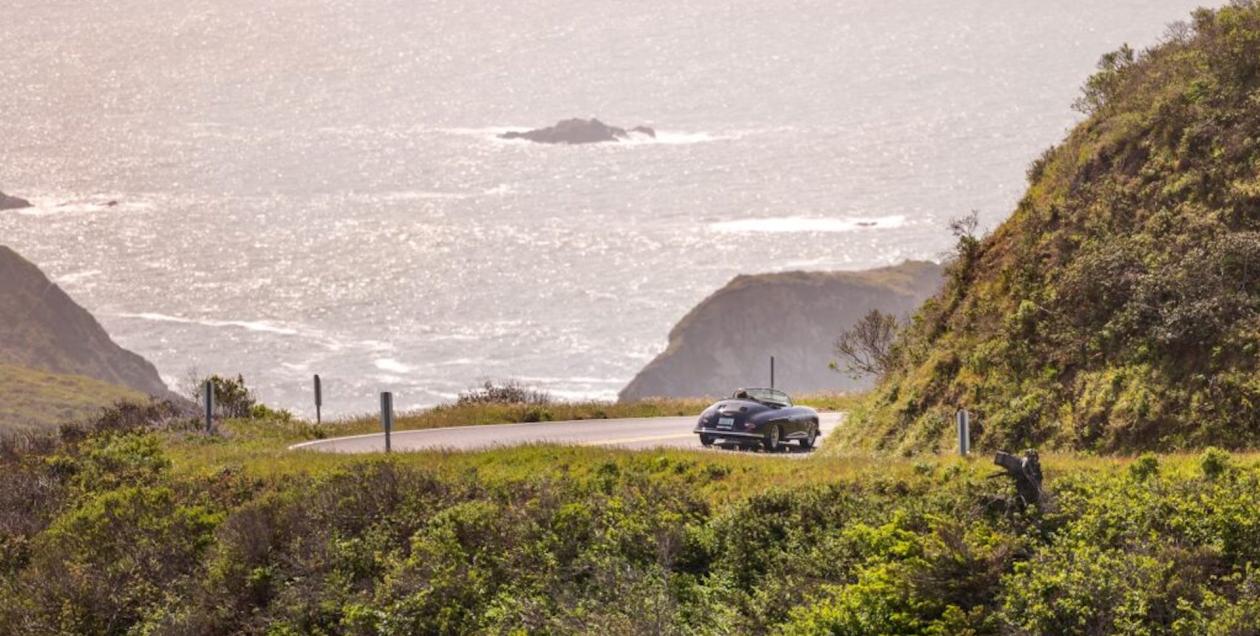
x: 1119, y: 307
x: 31, y: 399
x: 179, y: 533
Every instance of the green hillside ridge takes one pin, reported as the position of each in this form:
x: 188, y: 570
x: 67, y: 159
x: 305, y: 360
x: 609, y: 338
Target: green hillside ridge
x: 31, y: 399
x: 1119, y: 306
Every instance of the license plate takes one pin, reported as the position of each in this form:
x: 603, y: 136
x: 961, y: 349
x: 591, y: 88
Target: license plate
x: 726, y: 422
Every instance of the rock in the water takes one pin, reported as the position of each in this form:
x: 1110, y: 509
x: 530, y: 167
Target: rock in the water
x: 578, y: 131
x: 12, y: 203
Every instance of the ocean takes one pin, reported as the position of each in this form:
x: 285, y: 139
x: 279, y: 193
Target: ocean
x: 293, y: 187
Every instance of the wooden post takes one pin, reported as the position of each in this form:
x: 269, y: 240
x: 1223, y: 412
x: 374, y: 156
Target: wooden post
x: 387, y: 416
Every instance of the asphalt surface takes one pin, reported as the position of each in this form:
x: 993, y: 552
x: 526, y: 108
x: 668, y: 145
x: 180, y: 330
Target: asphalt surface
x: 643, y: 433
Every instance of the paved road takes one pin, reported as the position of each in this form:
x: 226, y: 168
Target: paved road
x: 655, y: 432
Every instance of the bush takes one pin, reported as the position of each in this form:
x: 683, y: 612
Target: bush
x: 509, y: 392
x: 1214, y: 462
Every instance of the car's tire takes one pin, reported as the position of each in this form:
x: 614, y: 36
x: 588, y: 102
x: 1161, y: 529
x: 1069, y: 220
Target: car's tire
x: 706, y: 440
x: 772, y: 438
x: 807, y: 442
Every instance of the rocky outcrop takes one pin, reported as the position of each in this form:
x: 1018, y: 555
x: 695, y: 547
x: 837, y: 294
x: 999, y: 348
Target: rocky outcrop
x: 12, y: 203
x: 727, y: 340
x: 43, y: 328
x: 579, y: 131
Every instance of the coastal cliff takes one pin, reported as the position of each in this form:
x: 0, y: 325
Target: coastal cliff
x: 42, y: 328
x: 727, y: 340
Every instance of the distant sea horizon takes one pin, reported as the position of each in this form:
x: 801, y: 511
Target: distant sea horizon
x: 317, y: 186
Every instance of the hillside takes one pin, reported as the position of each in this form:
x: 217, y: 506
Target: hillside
x: 42, y: 328
x: 1119, y: 306
x: 727, y: 340
x: 32, y: 399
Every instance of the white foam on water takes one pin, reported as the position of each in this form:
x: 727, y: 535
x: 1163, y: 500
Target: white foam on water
x: 55, y: 205
x: 259, y: 326
x: 422, y: 195
x: 801, y: 224
x: 70, y: 279
x: 391, y: 365
x: 674, y: 138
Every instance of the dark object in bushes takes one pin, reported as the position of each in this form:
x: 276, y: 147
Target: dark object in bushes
x: 1026, y: 471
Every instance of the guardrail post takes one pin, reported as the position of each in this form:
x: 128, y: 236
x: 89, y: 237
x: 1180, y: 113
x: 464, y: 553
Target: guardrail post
x: 319, y: 400
x: 208, y: 392
x: 387, y: 416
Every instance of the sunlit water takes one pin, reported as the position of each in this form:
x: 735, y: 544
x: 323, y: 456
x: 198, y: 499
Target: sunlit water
x: 315, y: 186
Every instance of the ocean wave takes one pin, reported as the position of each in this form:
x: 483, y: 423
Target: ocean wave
x: 675, y: 138
x: 53, y: 205
x: 422, y: 195
x: 392, y: 366
x: 801, y: 224
x: 259, y: 326
x: 71, y: 279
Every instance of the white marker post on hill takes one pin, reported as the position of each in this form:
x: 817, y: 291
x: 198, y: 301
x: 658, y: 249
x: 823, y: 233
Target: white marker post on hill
x: 964, y: 432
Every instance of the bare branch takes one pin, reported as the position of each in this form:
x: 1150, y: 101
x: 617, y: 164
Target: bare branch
x: 867, y: 347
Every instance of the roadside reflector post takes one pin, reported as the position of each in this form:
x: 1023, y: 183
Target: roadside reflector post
x: 964, y: 431
x: 387, y: 416
x: 772, y: 372
x: 319, y: 400
x: 208, y: 398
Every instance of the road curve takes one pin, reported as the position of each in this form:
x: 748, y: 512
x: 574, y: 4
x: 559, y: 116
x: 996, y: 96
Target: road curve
x: 640, y: 433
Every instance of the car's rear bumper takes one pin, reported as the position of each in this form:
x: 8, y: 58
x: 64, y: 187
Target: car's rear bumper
x: 723, y: 433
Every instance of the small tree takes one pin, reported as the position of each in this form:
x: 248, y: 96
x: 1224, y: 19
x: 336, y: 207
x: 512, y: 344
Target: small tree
x: 867, y: 347
x: 232, y: 398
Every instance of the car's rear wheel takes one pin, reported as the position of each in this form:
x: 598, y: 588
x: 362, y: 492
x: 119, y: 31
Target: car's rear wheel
x: 772, y: 438
x: 706, y: 440
x: 807, y: 442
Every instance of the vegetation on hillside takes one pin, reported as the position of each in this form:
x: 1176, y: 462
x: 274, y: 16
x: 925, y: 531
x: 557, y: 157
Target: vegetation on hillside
x: 136, y: 524
x: 1118, y: 309
x: 31, y: 400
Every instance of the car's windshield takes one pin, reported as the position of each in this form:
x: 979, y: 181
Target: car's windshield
x: 765, y: 396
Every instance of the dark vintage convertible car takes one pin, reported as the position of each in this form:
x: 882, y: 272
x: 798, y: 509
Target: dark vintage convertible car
x: 758, y: 416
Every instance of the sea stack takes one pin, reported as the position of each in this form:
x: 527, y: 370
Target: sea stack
x: 12, y: 203
x: 579, y: 131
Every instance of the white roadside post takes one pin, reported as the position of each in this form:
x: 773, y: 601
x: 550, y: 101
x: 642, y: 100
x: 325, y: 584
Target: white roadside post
x: 209, y: 402
x: 964, y: 432
x: 387, y: 415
